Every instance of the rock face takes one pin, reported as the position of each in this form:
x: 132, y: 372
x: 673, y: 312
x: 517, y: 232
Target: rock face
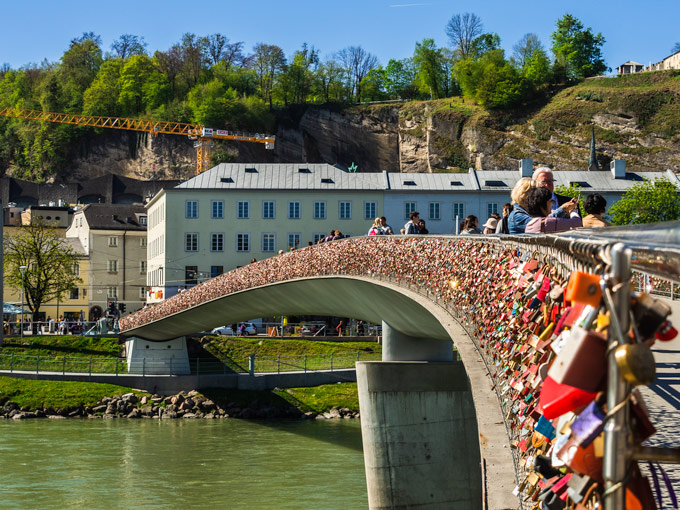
x: 428, y: 136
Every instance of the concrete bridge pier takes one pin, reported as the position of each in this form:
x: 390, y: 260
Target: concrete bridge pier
x: 169, y: 357
x: 419, y: 428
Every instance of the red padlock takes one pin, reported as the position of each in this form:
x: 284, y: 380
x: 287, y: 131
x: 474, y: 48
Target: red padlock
x: 666, y: 332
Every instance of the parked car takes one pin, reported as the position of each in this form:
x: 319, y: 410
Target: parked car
x: 312, y: 328
x: 227, y: 331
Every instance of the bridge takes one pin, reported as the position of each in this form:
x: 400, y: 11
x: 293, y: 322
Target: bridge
x: 437, y: 433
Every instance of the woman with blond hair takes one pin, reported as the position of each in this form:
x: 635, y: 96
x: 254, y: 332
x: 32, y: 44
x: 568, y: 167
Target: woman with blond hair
x: 519, y: 217
x: 376, y: 228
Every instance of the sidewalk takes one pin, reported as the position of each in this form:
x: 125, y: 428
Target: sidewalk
x: 663, y: 400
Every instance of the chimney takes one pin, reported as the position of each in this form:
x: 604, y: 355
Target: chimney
x: 526, y: 167
x: 618, y: 168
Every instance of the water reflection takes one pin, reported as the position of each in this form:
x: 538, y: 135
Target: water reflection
x: 181, y: 464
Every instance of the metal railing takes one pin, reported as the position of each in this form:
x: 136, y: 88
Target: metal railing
x: 197, y: 366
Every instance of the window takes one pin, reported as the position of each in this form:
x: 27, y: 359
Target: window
x: 73, y: 294
x: 113, y: 241
x: 268, y: 241
x: 191, y: 275
x: 142, y: 266
x: 459, y: 210
x: 112, y: 293
x: 243, y: 209
x: 319, y: 210
x: 142, y: 242
x: 345, y: 210
x: 216, y: 271
x: 242, y: 242
x: 409, y: 207
x: 434, y: 211
x: 216, y: 242
x: 112, y: 266
x: 268, y: 210
x: 293, y: 241
x: 491, y: 208
x: 191, y: 241
x: 75, y: 269
x: 142, y: 293
x: 370, y: 210
x: 142, y: 220
x: 318, y: 236
x: 293, y: 210
x: 192, y: 208
x: 217, y: 209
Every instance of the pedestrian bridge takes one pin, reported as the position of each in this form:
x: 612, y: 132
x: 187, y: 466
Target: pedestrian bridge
x: 422, y: 413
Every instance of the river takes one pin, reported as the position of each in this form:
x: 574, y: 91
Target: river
x: 182, y: 464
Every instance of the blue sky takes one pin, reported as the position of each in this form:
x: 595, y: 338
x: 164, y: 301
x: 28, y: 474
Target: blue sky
x: 42, y: 29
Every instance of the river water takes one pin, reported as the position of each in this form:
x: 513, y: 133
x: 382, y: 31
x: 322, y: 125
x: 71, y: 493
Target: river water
x: 182, y: 464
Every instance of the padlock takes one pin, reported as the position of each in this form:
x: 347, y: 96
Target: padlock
x: 649, y: 314
x: 576, y: 375
x: 636, y: 363
x: 666, y: 332
x: 584, y: 288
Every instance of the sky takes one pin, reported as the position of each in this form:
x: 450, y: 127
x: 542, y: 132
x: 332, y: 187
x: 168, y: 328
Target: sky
x: 42, y: 29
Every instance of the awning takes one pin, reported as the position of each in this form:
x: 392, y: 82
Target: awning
x: 13, y: 309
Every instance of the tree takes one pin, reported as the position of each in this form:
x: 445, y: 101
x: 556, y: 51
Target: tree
x: 490, y: 80
x: 49, y: 264
x: 357, y: 62
x: 399, y: 78
x: 79, y: 67
x: 461, y: 30
x: 524, y: 49
x: 269, y: 61
x: 428, y: 61
x: 484, y: 44
x: 577, y: 49
x: 675, y: 48
x: 128, y: 45
x: 215, y: 45
x: 647, y: 202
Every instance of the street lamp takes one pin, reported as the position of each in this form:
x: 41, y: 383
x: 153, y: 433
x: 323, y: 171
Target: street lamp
x: 21, y: 323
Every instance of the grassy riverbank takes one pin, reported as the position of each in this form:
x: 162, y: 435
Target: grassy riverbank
x: 233, y: 351
x: 34, y: 395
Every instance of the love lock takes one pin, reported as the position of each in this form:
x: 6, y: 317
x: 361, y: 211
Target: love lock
x: 636, y: 363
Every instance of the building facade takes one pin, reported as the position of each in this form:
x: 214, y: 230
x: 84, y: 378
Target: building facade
x: 223, y: 218
x: 113, y: 237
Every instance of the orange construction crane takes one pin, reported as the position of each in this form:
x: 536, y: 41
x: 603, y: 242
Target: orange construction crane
x: 201, y: 135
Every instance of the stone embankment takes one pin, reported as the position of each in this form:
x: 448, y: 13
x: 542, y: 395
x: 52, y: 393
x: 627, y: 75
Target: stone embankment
x: 184, y: 405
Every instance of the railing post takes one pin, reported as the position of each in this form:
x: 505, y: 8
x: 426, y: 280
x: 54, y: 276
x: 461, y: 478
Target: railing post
x: 90, y: 366
x: 143, y: 367
x: 616, y: 431
x: 251, y: 364
x: 116, y: 366
x: 331, y: 361
x: 305, y: 363
x: 170, y: 366
x: 11, y: 363
x: 37, y: 363
x: 63, y: 366
x: 278, y: 364
x: 198, y: 366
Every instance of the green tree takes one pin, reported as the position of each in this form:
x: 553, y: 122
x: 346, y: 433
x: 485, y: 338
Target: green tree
x: 268, y: 62
x: 491, y: 80
x: 101, y: 97
x: 576, y: 49
x: 49, y: 262
x: 647, y: 202
x: 399, y: 79
x: 79, y: 67
x: 428, y: 61
x: 524, y: 49
x: 142, y: 86
x: 373, y: 85
x: 128, y: 45
x: 537, y: 70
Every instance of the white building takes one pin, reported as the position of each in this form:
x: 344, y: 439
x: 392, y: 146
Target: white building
x: 224, y: 217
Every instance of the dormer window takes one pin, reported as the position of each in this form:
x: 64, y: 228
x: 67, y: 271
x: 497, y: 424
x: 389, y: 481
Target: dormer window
x: 304, y: 171
x: 326, y: 180
x: 226, y: 179
x: 251, y: 170
x: 409, y: 183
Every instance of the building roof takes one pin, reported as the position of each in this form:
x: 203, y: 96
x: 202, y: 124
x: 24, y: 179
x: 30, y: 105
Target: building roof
x: 114, y: 216
x: 302, y: 176
x: 631, y: 63
x: 283, y: 176
x: 75, y: 244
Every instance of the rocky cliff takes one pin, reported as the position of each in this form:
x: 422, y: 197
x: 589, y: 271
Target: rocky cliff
x: 636, y: 118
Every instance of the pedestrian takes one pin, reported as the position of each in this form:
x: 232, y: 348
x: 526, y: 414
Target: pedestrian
x: 543, y: 178
x: 340, y: 327
x: 538, y: 202
x: 470, y: 226
x: 502, y: 227
x: 242, y: 329
x: 595, y: 205
x: 490, y: 226
x: 423, y: 229
x: 386, y: 228
x: 360, y: 328
x: 412, y: 227
x: 376, y: 229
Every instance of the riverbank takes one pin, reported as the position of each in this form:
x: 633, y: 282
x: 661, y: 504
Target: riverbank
x: 25, y: 399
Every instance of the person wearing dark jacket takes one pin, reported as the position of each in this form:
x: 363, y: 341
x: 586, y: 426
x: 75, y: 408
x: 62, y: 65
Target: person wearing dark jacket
x: 543, y: 178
